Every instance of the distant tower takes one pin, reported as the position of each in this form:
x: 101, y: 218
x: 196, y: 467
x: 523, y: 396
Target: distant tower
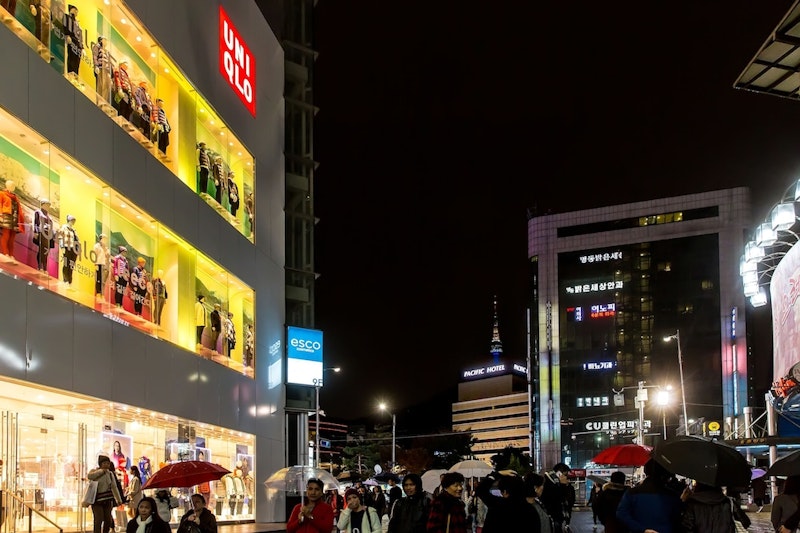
x: 496, y: 347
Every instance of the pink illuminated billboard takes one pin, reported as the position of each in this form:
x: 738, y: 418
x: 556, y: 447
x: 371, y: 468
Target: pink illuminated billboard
x: 784, y: 290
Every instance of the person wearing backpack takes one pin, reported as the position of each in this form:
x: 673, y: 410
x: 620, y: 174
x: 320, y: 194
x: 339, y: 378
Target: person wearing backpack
x: 356, y: 517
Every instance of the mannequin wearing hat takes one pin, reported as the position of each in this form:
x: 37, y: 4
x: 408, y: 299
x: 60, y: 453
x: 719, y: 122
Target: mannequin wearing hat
x: 43, y: 234
x: 123, y: 90
x: 102, y: 259
x: 216, y: 325
x: 11, y: 218
x: 102, y: 70
x: 73, y: 36
x: 119, y: 267
x: 138, y: 284
x: 68, y: 242
x: 143, y: 108
x: 219, y: 178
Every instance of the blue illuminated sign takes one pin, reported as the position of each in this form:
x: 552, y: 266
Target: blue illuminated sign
x: 304, y: 356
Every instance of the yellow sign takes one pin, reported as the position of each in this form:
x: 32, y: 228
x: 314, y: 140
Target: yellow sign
x: 713, y: 426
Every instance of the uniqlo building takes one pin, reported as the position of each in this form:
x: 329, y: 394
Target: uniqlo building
x: 142, y: 237
x: 607, y: 286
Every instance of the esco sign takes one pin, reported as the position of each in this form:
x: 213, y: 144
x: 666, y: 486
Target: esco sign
x: 305, y: 345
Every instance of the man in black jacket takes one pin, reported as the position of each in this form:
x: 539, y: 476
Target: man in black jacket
x: 558, y: 496
x: 607, y: 502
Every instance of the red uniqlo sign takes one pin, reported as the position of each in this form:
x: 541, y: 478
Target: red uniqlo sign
x: 236, y: 62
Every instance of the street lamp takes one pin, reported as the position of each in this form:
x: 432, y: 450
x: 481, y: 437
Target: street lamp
x: 677, y: 338
x: 383, y: 407
x: 317, y: 386
x: 662, y: 399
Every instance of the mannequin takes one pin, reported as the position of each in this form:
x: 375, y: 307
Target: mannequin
x: 203, y: 167
x: 40, y: 9
x: 200, y: 317
x: 123, y: 91
x: 43, y: 234
x: 230, y: 334
x: 216, y: 325
x: 73, y: 38
x: 159, y: 296
x: 249, y: 346
x: 102, y: 71
x: 163, y: 127
x: 68, y: 242
x: 11, y: 218
x: 102, y: 258
x: 249, y: 207
x: 144, y: 108
x: 219, y: 176
x: 233, y: 194
x: 138, y: 283
x: 119, y: 265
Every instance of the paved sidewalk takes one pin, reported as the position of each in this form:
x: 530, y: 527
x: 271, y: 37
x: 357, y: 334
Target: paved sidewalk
x: 582, y: 522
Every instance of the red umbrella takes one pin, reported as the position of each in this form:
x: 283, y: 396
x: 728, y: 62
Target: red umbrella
x: 624, y: 455
x: 185, y: 474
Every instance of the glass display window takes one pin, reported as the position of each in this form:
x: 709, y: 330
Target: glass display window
x: 74, y: 235
x: 105, y: 51
x: 62, y: 434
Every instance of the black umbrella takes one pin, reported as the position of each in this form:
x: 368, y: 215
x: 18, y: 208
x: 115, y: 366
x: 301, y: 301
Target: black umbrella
x: 706, y: 461
x: 786, y: 466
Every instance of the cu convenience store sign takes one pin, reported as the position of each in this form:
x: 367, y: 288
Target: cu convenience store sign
x: 236, y: 63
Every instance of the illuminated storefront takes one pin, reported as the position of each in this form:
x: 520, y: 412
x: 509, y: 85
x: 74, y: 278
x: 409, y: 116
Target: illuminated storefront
x: 132, y: 79
x: 145, y: 308
x: 52, y: 428
x: 153, y: 286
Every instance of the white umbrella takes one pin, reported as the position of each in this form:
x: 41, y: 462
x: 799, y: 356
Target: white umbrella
x: 294, y: 478
x: 371, y: 482
x: 430, y: 479
x: 472, y: 468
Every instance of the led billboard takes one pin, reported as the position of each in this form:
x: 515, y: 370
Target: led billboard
x: 304, y: 356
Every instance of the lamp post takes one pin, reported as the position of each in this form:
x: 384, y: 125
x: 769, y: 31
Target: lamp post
x: 317, y: 386
x: 677, y: 337
x: 662, y: 399
x: 384, y: 407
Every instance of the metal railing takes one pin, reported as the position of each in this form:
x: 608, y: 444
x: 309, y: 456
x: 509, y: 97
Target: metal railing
x: 13, y: 507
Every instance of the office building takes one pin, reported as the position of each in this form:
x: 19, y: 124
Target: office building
x: 608, y: 285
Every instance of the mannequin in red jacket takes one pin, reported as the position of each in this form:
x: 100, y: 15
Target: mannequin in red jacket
x: 11, y: 218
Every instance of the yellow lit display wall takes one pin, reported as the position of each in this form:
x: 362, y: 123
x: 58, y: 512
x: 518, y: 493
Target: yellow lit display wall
x: 131, y: 78
x: 152, y: 286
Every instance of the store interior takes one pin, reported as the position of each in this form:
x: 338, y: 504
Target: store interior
x: 51, y: 428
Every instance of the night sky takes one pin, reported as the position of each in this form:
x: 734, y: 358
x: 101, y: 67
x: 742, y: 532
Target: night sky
x: 441, y: 123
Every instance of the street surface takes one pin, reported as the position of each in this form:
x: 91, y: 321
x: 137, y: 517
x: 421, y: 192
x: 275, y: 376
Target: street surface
x: 582, y: 522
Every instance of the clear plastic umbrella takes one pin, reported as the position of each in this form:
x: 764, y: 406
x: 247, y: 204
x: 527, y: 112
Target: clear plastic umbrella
x: 472, y: 468
x: 294, y: 479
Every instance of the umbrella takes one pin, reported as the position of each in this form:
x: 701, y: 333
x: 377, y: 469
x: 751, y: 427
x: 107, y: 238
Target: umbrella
x: 597, y: 480
x: 757, y: 473
x: 788, y: 465
x: 294, y: 478
x: 430, y: 479
x: 472, y: 468
x: 623, y: 455
x: 706, y: 461
x: 386, y: 475
x: 370, y: 482
x: 185, y: 474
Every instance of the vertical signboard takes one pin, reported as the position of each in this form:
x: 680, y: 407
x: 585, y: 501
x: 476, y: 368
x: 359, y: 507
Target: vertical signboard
x: 304, y: 356
x: 236, y: 63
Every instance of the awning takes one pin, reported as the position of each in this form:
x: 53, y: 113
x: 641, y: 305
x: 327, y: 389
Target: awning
x: 775, y: 69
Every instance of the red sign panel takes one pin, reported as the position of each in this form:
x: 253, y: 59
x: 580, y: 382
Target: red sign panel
x: 236, y: 63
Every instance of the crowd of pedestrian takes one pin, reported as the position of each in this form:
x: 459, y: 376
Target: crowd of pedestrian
x: 505, y: 502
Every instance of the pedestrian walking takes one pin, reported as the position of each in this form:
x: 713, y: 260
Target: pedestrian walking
x: 146, y: 518
x: 787, y: 503
x: 448, y: 513
x: 650, y: 506
x: 558, y: 496
x: 708, y: 510
x: 410, y: 514
x: 607, y: 502
x: 312, y: 515
x: 356, y: 517
x: 534, y: 486
x: 109, y: 494
x: 593, y: 494
x: 509, y: 511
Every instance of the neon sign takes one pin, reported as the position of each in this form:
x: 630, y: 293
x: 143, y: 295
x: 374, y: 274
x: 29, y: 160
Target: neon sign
x: 603, y: 310
x: 236, y: 63
x: 575, y: 314
x: 594, y: 287
x: 601, y: 258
